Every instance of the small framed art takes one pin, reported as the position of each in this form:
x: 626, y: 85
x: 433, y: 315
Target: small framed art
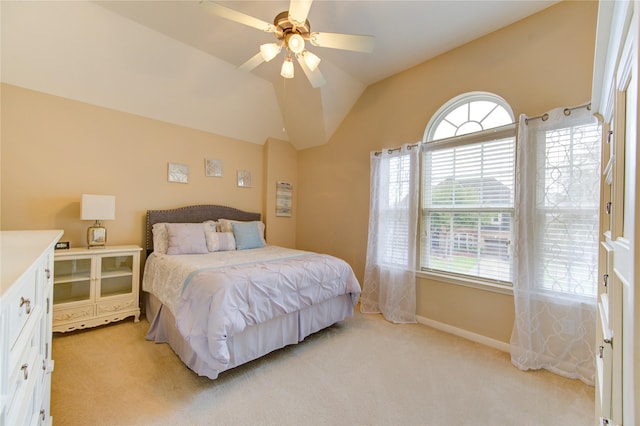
x: 178, y: 173
x: 213, y: 168
x: 283, y: 199
x: 244, y: 178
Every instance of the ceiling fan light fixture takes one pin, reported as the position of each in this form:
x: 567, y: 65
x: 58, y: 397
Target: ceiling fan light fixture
x: 295, y: 43
x: 287, y: 68
x: 311, y: 60
x: 270, y: 51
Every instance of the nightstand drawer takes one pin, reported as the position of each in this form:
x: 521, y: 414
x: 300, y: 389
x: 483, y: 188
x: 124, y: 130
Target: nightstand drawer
x: 116, y: 305
x: 72, y: 314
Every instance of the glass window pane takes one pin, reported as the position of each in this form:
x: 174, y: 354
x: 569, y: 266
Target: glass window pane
x: 469, y: 127
x: 459, y: 115
x: 469, y: 243
x: 467, y: 196
x: 444, y: 130
x: 479, y: 110
x: 499, y: 117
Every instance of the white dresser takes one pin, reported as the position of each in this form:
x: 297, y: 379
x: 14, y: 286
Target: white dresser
x: 26, y: 306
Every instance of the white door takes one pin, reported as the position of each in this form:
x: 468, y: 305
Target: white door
x: 619, y: 302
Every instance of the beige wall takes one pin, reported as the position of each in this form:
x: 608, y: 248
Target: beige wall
x: 537, y: 64
x: 55, y: 149
x: 281, y: 161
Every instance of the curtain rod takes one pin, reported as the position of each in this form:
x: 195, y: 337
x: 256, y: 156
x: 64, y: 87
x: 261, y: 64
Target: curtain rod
x: 390, y: 150
x: 567, y: 112
x: 544, y: 117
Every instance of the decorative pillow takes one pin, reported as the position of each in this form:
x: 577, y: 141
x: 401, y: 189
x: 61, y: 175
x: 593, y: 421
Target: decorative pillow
x: 210, y: 229
x: 211, y: 225
x: 221, y: 241
x: 247, y: 235
x: 186, y: 238
x: 225, y: 225
x: 160, y: 238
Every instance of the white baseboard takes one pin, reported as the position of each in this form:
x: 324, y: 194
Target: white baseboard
x: 474, y: 337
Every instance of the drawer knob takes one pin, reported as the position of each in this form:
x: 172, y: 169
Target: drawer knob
x: 25, y: 370
x: 27, y: 302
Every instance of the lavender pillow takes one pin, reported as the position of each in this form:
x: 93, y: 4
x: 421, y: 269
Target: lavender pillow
x: 186, y: 238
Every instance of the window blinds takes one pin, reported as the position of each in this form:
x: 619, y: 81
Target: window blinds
x: 467, y: 208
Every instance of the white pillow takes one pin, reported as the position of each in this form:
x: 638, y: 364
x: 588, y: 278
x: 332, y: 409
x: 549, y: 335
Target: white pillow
x: 210, y: 229
x: 186, y: 238
x: 160, y: 238
x: 226, y: 226
x: 221, y: 241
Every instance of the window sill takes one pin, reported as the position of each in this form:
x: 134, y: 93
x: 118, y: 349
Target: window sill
x: 494, y: 288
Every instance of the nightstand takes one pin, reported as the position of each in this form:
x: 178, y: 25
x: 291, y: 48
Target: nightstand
x: 95, y: 286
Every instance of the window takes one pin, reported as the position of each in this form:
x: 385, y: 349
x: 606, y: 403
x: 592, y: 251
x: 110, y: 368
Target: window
x: 394, y: 211
x: 467, y: 189
x: 568, y: 184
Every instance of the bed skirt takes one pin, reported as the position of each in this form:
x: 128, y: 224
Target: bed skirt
x: 256, y: 340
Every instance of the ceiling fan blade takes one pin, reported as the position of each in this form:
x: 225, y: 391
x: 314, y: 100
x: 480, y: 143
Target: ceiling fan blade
x: 315, y: 77
x: 357, y: 43
x: 299, y: 10
x: 234, y: 15
x: 252, y: 63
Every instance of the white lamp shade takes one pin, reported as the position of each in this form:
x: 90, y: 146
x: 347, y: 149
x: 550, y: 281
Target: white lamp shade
x: 98, y: 207
x: 287, y: 68
x: 269, y: 51
x: 311, y: 60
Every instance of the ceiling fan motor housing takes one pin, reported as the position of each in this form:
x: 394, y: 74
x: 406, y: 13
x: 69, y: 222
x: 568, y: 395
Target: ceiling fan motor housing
x: 285, y: 28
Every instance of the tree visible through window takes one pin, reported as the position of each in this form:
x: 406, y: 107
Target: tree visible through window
x: 468, y: 189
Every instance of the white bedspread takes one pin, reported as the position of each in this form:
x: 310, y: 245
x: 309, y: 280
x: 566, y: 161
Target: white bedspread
x: 214, y: 296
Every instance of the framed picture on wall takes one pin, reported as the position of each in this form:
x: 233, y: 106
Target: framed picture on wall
x: 213, y: 168
x: 178, y: 173
x: 283, y: 199
x: 244, y: 178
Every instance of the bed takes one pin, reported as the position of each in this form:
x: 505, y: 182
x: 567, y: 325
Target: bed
x: 236, y: 298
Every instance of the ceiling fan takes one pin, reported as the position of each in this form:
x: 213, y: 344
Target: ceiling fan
x: 291, y: 29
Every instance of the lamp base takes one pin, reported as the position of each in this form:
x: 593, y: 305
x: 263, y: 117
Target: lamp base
x: 96, y: 236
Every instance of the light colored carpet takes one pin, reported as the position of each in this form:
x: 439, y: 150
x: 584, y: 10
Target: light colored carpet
x: 363, y: 371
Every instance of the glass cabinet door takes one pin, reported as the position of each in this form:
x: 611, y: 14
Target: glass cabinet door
x: 72, y: 280
x: 116, y: 275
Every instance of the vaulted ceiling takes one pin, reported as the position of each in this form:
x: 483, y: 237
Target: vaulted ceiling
x: 174, y: 61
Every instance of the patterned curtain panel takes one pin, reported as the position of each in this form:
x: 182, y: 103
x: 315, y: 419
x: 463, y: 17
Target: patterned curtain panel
x: 557, y: 237
x: 389, y: 278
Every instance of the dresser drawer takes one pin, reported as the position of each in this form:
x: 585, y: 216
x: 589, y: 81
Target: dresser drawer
x: 24, y: 376
x: 21, y: 304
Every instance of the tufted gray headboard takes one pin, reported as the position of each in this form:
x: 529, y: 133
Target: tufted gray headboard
x: 194, y: 214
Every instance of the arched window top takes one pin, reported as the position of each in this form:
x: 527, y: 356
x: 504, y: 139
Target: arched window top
x: 468, y: 113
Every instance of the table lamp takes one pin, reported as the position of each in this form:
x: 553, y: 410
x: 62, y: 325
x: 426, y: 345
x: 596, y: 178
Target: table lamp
x: 97, y: 207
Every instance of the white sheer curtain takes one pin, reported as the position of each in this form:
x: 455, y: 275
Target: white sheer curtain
x: 557, y: 237
x: 389, y: 278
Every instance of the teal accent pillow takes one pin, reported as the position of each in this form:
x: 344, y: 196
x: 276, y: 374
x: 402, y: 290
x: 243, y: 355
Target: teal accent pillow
x: 247, y: 235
